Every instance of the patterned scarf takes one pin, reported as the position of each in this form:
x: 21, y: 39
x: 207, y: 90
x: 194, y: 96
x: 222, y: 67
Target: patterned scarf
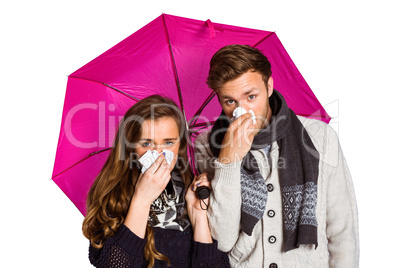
x: 298, y: 174
x: 168, y: 211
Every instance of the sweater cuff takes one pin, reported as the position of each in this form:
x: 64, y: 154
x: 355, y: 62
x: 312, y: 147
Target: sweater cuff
x: 205, y: 251
x: 129, y: 241
x: 227, y: 174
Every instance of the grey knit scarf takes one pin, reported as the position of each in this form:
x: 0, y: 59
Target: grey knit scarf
x: 169, y: 211
x: 298, y: 174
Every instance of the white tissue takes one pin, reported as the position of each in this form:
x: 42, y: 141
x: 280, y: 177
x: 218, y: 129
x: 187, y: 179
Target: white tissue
x: 240, y: 111
x: 150, y: 157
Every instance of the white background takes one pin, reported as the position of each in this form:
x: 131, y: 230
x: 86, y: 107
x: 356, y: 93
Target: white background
x: 349, y: 52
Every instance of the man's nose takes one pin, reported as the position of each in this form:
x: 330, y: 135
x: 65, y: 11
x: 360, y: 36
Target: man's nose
x: 244, y: 106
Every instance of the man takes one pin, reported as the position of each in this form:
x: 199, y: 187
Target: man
x: 282, y: 195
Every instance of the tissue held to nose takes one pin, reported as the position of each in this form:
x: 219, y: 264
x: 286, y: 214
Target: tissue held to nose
x: 150, y: 157
x: 240, y: 111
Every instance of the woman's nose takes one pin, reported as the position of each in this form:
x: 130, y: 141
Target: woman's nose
x: 159, y: 149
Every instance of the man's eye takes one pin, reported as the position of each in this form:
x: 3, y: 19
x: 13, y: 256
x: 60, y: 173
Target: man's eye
x: 230, y: 102
x: 251, y: 97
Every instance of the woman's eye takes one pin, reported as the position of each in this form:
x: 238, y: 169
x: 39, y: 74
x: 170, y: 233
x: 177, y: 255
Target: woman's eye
x: 251, y: 97
x: 146, y: 144
x: 169, y: 143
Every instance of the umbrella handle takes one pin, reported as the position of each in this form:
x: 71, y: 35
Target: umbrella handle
x: 203, y: 192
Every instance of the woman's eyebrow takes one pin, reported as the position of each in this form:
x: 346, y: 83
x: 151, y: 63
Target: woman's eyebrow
x: 145, y: 139
x: 170, y: 139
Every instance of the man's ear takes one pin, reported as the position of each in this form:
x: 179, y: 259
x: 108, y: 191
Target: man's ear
x: 270, y: 86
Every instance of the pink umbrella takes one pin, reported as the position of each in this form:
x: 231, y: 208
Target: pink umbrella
x: 169, y: 56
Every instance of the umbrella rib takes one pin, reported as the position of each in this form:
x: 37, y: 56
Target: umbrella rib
x: 176, y: 75
x: 265, y: 37
x: 197, y: 114
x: 118, y: 90
x: 305, y: 115
x: 85, y: 158
x: 202, y: 125
x: 124, y: 93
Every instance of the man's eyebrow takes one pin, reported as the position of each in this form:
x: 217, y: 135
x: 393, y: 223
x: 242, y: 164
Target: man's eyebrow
x: 226, y: 97
x: 251, y: 90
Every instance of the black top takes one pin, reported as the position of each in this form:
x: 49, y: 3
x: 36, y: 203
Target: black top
x: 126, y: 249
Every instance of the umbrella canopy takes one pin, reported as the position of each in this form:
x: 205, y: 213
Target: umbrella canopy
x: 169, y: 56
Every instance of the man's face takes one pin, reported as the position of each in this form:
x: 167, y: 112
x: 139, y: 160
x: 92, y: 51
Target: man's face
x: 247, y: 91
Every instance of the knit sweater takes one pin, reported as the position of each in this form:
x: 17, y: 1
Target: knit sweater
x: 336, y: 211
x: 125, y: 249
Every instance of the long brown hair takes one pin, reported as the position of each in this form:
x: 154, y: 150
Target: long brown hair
x: 110, y: 195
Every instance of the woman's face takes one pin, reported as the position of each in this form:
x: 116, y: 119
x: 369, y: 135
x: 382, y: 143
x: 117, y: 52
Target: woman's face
x: 159, y: 134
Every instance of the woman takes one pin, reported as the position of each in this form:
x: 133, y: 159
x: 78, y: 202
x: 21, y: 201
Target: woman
x: 137, y: 217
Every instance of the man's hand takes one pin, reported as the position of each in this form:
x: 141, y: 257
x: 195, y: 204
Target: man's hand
x: 238, y: 139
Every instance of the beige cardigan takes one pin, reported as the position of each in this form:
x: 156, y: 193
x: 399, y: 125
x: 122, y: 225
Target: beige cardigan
x: 338, y: 240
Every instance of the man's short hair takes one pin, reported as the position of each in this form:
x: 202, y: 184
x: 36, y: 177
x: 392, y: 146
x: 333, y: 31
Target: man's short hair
x: 232, y: 61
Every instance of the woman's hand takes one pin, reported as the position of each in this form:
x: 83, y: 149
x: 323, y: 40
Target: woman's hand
x: 154, y: 180
x: 149, y: 186
x: 196, y: 209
